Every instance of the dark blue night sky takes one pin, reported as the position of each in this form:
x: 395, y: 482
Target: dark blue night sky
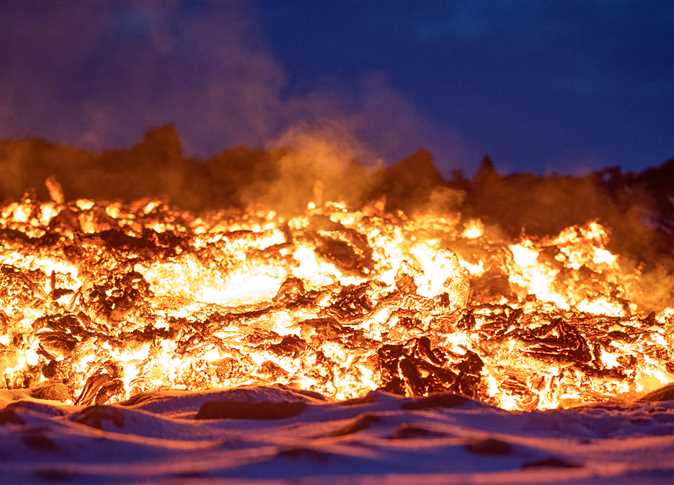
x: 565, y: 86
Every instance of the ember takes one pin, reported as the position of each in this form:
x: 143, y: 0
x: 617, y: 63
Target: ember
x: 111, y: 299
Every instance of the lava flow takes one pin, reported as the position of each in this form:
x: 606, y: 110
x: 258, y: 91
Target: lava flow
x: 104, y: 300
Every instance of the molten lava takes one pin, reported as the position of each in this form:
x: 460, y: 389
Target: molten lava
x: 101, y: 301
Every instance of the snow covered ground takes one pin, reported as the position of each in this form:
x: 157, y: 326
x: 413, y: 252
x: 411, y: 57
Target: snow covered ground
x: 267, y: 435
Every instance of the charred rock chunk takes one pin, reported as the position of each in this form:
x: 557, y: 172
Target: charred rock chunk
x: 290, y: 345
x: 417, y: 370
x: 340, y: 253
x: 101, y: 385
x: 351, y: 305
x: 117, y: 295
x: 54, y: 392
x: 557, y: 341
x: 291, y: 291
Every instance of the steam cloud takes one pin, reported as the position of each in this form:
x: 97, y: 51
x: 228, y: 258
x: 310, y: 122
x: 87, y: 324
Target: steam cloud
x: 97, y: 74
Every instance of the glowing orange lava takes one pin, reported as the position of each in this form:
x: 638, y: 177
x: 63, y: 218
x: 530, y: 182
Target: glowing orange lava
x: 101, y: 301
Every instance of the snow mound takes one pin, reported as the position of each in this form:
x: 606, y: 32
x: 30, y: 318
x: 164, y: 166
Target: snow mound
x: 267, y: 434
